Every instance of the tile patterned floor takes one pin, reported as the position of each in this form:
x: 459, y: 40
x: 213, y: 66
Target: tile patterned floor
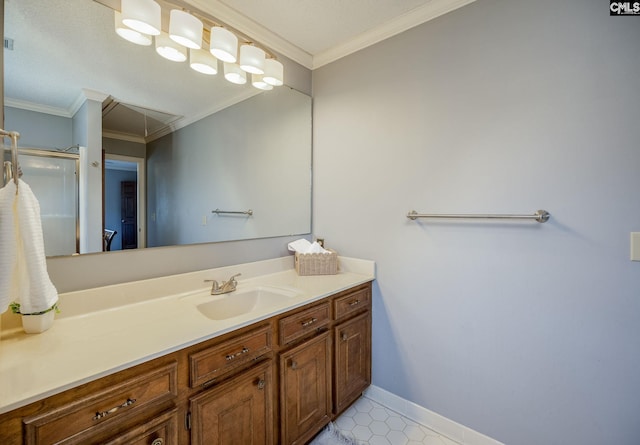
x: 367, y: 422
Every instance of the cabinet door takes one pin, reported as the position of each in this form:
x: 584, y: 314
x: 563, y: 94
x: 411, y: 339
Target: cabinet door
x: 305, y: 378
x: 352, y: 365
x: 237, y: 412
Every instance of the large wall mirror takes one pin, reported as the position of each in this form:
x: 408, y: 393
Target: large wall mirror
x: 180, y: 157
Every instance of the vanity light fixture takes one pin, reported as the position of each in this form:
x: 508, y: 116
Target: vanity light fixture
x: 203, y: 61
x: 139, y: 20
x: 129, y: 34
x: 234, y: 74
x: 185, y: 29
x: 144, y: 16
x: 223, y: 44
x: 169, y: 49
x: 252, y: 59
x: 257, y: 80
x: 273, y: 72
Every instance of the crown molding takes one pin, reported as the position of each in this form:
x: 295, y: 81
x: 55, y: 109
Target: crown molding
x: 38, y: 108
x: 187, y: 120
x: 253, y: 29
x: 415, y: 17
x: 243, y: 24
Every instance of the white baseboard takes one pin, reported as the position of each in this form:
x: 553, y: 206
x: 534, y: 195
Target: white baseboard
x: 430, y: 419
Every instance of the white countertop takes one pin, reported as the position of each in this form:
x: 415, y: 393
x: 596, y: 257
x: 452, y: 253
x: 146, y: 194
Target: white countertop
x: 104, y: 330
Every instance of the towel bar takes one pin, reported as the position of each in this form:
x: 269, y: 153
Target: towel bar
x: 246, y: 212
x: 540, y: 216
x: 15, y: 170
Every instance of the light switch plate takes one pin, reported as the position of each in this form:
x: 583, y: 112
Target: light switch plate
x: 635, y: 246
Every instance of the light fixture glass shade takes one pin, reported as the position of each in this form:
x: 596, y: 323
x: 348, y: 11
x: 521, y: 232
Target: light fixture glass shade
x: 203, y: 62
x: 185, y: 29
x: 257, y: 80
x: 224, y: 44
x: 129, y: 34
x: 252, y: 59
x: 273, y: 72
x: 169, y: 49
x: 234, y: 74
x: 142, y: 15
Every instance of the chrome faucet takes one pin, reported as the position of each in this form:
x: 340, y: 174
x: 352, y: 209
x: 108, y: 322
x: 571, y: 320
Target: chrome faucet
x: 225, y: 287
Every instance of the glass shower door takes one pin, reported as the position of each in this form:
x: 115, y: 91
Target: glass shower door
x: 53, y: 179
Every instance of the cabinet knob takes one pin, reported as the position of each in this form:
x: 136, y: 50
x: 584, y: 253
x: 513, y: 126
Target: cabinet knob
x: 261, y: 384
x: 344, y: 336
x: 158, y: 441
x: 294, y: 365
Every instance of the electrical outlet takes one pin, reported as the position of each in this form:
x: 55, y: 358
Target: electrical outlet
x: 204, y: 220
x: 635, y: 246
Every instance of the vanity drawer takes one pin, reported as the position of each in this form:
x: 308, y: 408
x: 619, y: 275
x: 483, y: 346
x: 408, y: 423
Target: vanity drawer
x: 210, y: 364
x: 304, y: 322
x: 352, y: 302
x: 76, y: 422
x: 162, y: 430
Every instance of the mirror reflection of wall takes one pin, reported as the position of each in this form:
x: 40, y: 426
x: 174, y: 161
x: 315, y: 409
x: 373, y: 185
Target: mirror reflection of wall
x: 50, y: 118
x: 254, y: 155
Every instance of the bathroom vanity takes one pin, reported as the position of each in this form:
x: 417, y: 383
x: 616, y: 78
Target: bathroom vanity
x: 272, y: 375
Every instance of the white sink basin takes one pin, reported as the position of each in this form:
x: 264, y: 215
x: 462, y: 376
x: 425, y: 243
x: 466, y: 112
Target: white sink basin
x: 244, y: 301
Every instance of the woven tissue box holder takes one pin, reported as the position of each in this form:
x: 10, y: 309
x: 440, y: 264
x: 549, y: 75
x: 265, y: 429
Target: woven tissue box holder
x: 317, y: 263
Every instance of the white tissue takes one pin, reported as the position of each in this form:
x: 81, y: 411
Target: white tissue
x: 304, y: 246
x: 300, y: 246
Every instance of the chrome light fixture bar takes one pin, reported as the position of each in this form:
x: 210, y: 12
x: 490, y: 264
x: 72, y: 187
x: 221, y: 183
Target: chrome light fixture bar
x: 138, y: 20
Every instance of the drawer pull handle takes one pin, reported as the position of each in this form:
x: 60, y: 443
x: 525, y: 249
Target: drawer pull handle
x: 309, y: 322
x: 354, y: 302
x: 261, y: 384
x: 158, y: 441
x: 344, y: 336
x: 99, y: 415
x: 237, y: 354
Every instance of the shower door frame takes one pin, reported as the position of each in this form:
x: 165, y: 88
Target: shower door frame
x: 61, y: 155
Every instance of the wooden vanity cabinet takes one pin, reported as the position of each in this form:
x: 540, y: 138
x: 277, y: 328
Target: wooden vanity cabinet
x: 352, y: 360
x: 352, y: 346
x: 162, y: 430
x: 305, y: 389
x: 100, y: 411
x: 238, y: 411
x: 278, y: 381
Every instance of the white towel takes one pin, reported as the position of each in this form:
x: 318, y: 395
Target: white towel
x: 23, y: 266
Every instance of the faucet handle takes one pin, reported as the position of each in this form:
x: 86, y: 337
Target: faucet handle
x: 233, y: 278
x: 214, y: 285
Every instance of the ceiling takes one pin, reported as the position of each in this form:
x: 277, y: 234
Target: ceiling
x: 316, y: 32
x: 66, y: 48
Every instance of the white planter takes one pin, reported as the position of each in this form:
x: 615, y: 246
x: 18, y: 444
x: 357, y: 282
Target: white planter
x: 35, y: 324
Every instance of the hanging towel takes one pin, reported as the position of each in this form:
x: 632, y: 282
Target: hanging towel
x: 23, y: 267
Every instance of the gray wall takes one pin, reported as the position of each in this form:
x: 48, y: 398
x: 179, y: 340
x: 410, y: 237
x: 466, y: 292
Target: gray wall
x: 39, y: 130
x: 254, y: 155
x: 124, y: 148
x: 526, y: 332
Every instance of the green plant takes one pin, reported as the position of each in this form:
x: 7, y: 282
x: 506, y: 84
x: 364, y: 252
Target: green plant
x: 15, y: 308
